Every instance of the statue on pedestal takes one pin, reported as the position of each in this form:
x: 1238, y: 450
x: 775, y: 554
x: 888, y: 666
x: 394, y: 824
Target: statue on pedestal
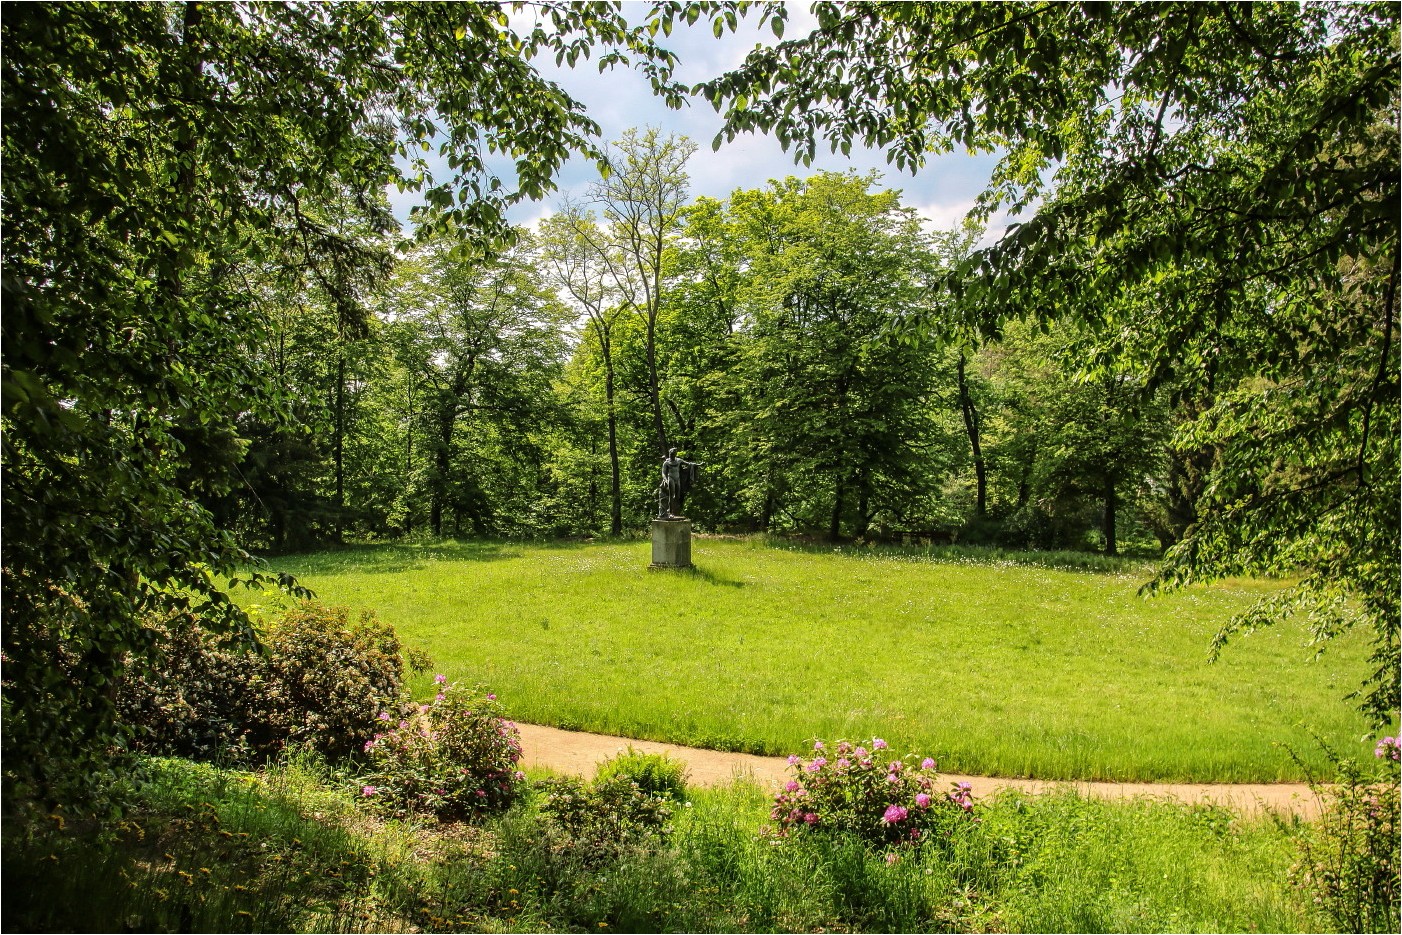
x: 677, y: 477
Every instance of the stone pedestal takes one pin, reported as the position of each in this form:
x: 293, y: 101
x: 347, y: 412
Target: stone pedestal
x: 671, y: 543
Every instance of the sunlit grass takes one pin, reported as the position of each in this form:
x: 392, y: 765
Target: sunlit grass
x: 295, y: 848
x: 994, y: 664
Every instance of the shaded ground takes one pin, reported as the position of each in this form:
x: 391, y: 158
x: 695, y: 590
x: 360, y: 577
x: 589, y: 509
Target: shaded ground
x: 578, y: 753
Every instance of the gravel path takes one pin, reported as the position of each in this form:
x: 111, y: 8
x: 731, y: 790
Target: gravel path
x: 578, y: 753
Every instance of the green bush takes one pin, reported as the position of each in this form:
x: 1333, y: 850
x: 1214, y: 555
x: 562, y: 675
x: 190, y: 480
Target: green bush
x: 320, y: 682
x: 1349, y: 866
x: 330, y: 678
x: 452, y: 758
x: 655, y: 773
x: 197, y: 695
x: 597, y: 822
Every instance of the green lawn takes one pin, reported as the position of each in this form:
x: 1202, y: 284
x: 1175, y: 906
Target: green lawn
x: 994, y: 668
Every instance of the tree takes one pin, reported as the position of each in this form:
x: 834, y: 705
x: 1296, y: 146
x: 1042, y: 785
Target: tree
x: 579, y: 273
x: 641, y: 198
x: 164, y: 162
x: 836, y: 404
x: 1216, y: 191
x: 486, y: 341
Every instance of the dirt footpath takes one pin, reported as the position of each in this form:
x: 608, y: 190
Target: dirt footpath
x: 577, y: 753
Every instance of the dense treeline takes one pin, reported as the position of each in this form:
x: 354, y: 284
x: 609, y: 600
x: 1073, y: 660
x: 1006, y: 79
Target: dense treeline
x: 496, y: 397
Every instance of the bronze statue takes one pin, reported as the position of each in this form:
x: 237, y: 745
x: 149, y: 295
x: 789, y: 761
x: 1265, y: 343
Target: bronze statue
x: 677, y: 477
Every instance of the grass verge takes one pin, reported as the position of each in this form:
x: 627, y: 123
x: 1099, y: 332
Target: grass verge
x: 291, y: 849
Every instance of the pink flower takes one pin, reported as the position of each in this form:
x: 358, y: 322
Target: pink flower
x: 922, y: 800
x: 1388, y: 747
x: 843, y: 763
x: 791, y: 786
x: 892, y: 860
x: 878, y: 744
x: 793, y: 760
x: 491, y: 697
x: 927, y: 763
x: 811, y: 818
x: 844, y: 747
x: 368, y: 790
x: 440, y: 679
x: 816, y: 765
x: 892, y: 777
x: 860, y: 752
x: 817, y: 745
x: 369, y: 745
x: 894, y: 814
x: 895, y: 766
x: 439, y: 697
x: 384, y: 715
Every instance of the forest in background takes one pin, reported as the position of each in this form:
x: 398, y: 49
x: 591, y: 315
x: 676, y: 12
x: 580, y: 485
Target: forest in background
x: 767, y: 336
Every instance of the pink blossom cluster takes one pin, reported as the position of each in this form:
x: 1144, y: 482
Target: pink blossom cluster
x: 1388, y: 748
x: 890, y: 802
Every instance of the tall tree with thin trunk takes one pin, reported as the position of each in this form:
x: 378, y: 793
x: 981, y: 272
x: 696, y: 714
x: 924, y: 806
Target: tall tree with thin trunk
x: 579, y: 273
x: 642, y: 199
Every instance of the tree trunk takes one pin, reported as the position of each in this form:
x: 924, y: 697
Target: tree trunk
x: 1111, y: 505
x: 654, y: 386
x: 339, y: 445
x: 442, y: 464
x: 409, y: 460
x: 863, y: 504
x: 966, y: 405
x: 616, y: 486
x: 835, y: 529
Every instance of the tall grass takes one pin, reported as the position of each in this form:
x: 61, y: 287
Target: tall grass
x: 995, y: 663
x: 285, y: 851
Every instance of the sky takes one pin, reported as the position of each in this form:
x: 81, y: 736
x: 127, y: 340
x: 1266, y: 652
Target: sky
x: 941, y: 192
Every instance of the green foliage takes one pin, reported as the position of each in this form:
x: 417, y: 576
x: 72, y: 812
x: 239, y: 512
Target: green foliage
x: 452, y: 758
x: 331, y: 677
x: 198, y: 696
x: 319, y: 684
x: 170, y: 169
x: 597, y: 822
x: 1349, y: 864
x: 281, y: 850
x: 1216, y: 194
x: 656, y: 774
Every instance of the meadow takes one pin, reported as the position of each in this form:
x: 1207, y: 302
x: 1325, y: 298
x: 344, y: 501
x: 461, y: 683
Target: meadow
x: 1005, y: 665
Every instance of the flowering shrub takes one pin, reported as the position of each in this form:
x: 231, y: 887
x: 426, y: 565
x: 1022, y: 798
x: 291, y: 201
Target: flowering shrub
x: 864, y: 793
x: 596, y: 822
x: 1350, y: 862
x: 453, y: 758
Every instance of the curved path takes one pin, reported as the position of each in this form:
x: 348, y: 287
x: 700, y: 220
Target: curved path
x: 578, y: 753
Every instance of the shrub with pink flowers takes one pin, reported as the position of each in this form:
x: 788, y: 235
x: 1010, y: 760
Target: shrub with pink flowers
x: 454, y: 757
x: 862, y: 791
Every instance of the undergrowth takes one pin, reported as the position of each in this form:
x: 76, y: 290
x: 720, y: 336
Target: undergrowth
x: 295, y: 848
